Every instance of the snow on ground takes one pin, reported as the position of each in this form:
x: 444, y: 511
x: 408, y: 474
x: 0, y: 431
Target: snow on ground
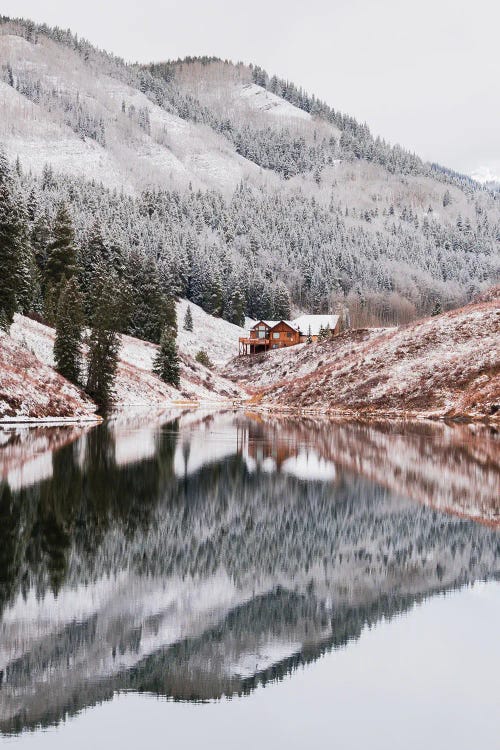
x: 261, y: 99
x: 176, y: 152
x: 448, y: 365
x: 30, y: 388
x: 136, y: 384
x: 216, y: 336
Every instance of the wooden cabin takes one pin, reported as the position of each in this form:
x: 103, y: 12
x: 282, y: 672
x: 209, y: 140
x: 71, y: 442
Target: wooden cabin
x: 283, y: 334
x: 269, y: 334
x: 258, y: 339
x: 276, y: 334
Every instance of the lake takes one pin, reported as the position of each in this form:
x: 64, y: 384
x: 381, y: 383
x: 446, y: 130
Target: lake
x: 240, y: 580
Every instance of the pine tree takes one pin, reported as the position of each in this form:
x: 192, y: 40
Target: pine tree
x: 324, y: 333
x: 235, y: 312
x: 188, y: 319
x: 148, y: 306
x: 166, y: 362
x: 446, y: 199
x: 69, y: 326
x: 281, y: 302
x: 94, y: 259
x: 104, y: 346
x: 40, y: 238
x: 309, y: 336
x: 61, y: 255
x: 437, y: 309
x: 50, y: 304
x: 12, y: 234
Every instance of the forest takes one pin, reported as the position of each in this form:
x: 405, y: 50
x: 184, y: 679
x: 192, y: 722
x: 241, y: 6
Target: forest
x: 257, y: 251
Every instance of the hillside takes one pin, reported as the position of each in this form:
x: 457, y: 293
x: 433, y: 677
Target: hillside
x: 233, y: 184
x: 443, y: 366
x: 29, y: 387
x: 217, y: 337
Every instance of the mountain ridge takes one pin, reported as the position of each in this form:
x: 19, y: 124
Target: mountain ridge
x: 232, y: 181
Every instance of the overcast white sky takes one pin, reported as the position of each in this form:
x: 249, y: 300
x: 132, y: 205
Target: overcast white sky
x: 424, y: 73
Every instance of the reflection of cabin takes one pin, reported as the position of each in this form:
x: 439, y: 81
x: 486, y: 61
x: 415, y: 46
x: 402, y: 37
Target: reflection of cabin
x: 276, y: 334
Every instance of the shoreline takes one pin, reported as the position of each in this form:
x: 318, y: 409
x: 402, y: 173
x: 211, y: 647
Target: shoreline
x: 330, y: 415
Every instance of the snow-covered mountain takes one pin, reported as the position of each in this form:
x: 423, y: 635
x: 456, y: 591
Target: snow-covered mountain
x: 232, y: 180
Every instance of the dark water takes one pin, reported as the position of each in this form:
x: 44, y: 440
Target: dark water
x: 233, y: 581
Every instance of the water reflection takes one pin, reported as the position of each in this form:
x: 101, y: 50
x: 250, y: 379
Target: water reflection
x: 198, y: 555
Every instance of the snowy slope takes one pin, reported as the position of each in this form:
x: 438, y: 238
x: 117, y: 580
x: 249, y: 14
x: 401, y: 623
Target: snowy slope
x: 136, y: 385
x: 216, y: 336
x: 175, y: 152
x: 447, y: 365
x: 31, y: 388
x: 264, y: 101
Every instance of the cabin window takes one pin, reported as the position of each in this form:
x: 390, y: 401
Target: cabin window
x: 289, y: 335
x: 276, y: 335
x: 275, y: 346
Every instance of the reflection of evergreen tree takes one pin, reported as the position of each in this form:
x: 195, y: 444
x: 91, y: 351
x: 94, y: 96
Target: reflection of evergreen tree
x: 60, y: 501
x: 10, y: 526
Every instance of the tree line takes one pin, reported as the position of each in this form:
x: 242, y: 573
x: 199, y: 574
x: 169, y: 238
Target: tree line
x: 88, y: 293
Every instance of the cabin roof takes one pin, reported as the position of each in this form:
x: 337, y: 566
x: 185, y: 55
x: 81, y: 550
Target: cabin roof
x: 288, y: 323
x: 268, y: 323
x: 316, y: 322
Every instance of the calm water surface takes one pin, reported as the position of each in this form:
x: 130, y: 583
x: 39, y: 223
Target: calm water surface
x: 238, y: 581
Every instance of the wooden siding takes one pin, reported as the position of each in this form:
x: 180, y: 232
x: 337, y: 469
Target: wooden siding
x: 282, y: 335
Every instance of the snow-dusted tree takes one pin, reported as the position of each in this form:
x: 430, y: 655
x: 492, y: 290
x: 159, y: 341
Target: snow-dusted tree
x: 146, y: 303
x: 104, y: 346
x: 203, y: 358
x: 166, y: 362
x: 437, y: 309
x: 93, y: 263
x: 188, y: 319
x: 281, y: 302
x: 324, y: 333
x: 61, y: 254
x: 69, y: 326
x: 235, y: 311
x: 309, y: 336
x: 11, y: 245
x: 446, y: 198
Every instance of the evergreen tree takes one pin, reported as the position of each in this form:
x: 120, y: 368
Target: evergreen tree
x: 171, y: 315
x: 235, y: 311
x: 188, y: 320
x: 166, y: 362
x: 104, y: 346
x: 203, y: 358
x: 69, y: 326
x: 324, y: 333
x: 437, y: 309
x: 61, y: 255
x: 50, y: 304
x: 11, y: 245
x: 40, y: 238
x: 446, y: 199
x: 147, y: 304
x: 94, y: 261
x: 309, y: 336
x: 281, y: 302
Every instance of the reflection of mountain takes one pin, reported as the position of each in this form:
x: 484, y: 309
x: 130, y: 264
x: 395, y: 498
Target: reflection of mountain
x: 446, y: 466
x: 132, y: 575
